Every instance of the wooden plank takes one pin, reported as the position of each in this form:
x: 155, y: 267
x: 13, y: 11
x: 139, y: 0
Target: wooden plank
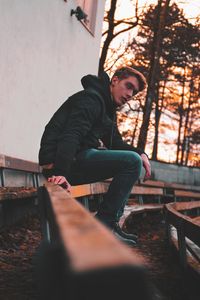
x: 179, y: 186
x: 153, y: 183
x: 102, y: 187
x: 170, y: 185
x: 186, y: 194
x: 184, y: 205
x: 197, y: 219
x: 182, y: 246
x: 99, y: 188
x: 82, y: 257
x: 194, y: 250
x: 9, y: 162
x: 191, y: 226
x: 191, y: 258
x: 186, y: 228
x: 141, y: 190
x: 81, y: 190
x: 173, y: 217
x: 89, y: 189
x: 135, y: 209
x: 87, y: 242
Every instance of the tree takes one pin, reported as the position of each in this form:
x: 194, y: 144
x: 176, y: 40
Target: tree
x: 175, y: 54
x: 112, y: 32
x: 179, y: 49
x: 162, y: 9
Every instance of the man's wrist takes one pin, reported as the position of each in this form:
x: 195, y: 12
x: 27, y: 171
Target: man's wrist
x: 145, y: 154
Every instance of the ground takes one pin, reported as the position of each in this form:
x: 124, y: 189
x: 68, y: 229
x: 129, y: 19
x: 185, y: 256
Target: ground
x: 19, y: 244
x: 165, y: 273
x: 17, y: 248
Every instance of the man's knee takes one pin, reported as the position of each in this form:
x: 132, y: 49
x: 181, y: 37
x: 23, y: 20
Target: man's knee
x: 134, y: 160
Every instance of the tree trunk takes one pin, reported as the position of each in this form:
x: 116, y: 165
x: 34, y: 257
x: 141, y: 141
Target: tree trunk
x: 195, y: 97
x: 110, y: 35
x: 181, y: 111
x: 112, y: 24
x: 136, y: 126
x: 188, y: 142
x: 158, y: 111
x: 153, y: 74
x: 186, y: 123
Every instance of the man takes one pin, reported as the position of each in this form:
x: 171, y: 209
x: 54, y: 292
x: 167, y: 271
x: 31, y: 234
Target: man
x: 71, y: 152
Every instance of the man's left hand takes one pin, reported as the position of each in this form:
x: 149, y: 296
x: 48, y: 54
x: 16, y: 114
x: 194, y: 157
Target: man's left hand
x: 62, y: 181
x: 146, y: 165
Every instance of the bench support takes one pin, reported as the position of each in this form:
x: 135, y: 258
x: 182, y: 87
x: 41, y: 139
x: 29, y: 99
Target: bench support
x: 182, y: 246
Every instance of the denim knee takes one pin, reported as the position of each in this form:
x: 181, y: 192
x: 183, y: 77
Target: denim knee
x: 134, y: 161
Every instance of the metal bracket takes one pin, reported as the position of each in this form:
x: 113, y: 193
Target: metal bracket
x: 79, y: 13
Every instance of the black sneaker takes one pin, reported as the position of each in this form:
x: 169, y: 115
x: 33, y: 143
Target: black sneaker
x: 116, y: 228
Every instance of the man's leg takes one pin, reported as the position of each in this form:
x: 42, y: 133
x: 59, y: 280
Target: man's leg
x: 94, y: 165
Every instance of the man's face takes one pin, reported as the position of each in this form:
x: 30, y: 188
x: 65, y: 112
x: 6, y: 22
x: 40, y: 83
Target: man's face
x: 123, y: 90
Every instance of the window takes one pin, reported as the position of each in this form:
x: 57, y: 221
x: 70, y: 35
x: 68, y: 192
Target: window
x: 90, y: 8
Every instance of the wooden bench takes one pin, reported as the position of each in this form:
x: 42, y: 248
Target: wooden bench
x: 9, y: 165
x: 186, y: 237
x: 174, y: 191
x: 100, y: 188
x: 90, y: 262
x: 164, y: 184
x: 152, y: 183
x: 140, y: 191
x: 86, y: 190
x: 178, y: 186
x: 183, y: 194
x: 166, y: 191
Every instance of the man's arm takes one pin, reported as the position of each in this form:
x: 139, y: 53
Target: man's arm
x: 79, y: 122
x: 146, y: 165
x: 82, y: 116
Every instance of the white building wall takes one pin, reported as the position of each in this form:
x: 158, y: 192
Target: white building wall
x: 44, y: 53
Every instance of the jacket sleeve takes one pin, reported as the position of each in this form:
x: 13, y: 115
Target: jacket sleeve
x: 81, y: 118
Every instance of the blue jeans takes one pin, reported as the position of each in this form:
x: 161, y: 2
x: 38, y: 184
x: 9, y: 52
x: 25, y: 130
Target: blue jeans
x: 94, y: 165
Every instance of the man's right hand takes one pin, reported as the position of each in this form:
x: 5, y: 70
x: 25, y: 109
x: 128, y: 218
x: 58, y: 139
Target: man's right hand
x: 146, y: 165
x: 62, y: 181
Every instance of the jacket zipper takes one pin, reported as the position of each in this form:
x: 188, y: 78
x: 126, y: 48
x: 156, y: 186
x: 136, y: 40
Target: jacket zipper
x: 112, y: 131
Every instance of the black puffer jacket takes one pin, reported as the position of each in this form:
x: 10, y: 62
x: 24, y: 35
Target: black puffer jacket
x: 85, y: 118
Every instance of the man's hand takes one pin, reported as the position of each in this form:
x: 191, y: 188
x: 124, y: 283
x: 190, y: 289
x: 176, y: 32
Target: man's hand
x: 62, y: 181
x: 146, y: 165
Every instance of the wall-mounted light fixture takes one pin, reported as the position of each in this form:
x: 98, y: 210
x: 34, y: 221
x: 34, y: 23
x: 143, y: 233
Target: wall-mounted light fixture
x: 79, y: 13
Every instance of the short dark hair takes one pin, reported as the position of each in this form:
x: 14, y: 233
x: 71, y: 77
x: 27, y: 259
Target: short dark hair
x: 125, y: 72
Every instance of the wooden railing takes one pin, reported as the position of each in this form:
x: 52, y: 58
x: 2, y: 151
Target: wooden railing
x: 90, y: 262
x: 186, y: 235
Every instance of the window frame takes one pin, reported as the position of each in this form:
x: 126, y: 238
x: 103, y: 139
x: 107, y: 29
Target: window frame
x: 92, y: 17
